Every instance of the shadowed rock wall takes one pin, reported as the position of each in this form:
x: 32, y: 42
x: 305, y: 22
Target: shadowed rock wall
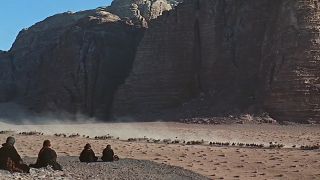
x: 293, y: 91
x: 244, y: 55
x: 7, y: 86
x: 72, y: 62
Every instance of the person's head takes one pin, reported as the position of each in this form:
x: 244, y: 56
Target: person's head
x: 108, y: 146
x: 87, y: 146
x: 10, y: 141
x: 46, y: 143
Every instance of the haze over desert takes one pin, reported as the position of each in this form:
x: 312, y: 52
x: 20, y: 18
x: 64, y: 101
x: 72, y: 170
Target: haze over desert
x: 212, y: 161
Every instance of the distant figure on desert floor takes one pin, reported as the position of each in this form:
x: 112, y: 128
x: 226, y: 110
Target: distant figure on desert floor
x: 108, y: 155
x: 10, y: 159
x: 87, y: 154
x: 47, y: 157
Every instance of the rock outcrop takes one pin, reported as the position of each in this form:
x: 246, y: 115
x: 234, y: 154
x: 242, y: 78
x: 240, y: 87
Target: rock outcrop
x: 228, y: 54
x: 203, y: 58
x: 72, y: 62
x: 142, y: 10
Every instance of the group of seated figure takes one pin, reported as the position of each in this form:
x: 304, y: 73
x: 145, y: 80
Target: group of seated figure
x: 88, y: 155
x: 10, y: 159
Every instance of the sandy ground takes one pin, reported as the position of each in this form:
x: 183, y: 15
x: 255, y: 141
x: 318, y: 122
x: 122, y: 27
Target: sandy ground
x: 213, y: 162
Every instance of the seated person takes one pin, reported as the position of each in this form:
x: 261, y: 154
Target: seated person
x: 47, y: 157
x: 108, y: 155
x: 10, y: 159
x: 87, y: 154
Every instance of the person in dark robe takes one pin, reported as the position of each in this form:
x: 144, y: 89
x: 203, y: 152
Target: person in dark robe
x: 87, y: 154
x: 10, y: 159
x: 108, y: 155
x: 47, y: 157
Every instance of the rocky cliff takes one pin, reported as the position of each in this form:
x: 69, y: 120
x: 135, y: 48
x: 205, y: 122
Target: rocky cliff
x: 202, y: 58
x: 142, y: 10
x: 7, y: 85
x: 74, y: 62
x: 227, y: 55
x: 70, y: 62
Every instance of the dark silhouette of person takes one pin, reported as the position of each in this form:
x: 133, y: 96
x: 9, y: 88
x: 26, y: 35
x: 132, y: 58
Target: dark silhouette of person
x: 87, y: 154
x: 108, y: 155
x: 10, y: 159
x: 47, y: 157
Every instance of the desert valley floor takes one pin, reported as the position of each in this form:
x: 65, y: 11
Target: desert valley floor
x: 214, y: 162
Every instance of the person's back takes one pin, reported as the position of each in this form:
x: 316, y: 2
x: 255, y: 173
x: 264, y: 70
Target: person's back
x: 10, y: 159
x: 107, y: 154
x: 46, y: 157
x: 87, y: 154
x: 7, y: 151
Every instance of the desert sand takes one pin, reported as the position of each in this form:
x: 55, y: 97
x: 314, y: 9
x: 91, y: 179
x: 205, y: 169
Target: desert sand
x: 211, y: 161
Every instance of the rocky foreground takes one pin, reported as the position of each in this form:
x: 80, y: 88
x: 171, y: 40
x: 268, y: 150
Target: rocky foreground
x: 123, y: 169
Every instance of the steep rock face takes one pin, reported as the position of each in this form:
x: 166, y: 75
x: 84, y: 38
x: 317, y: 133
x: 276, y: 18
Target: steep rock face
x: 33, y: 46
x: 143, y: 10
x: 245, y: 55
x: 294, y: 75
x: 73, y: 62
x: 204, y: 58
x: 7, y: 86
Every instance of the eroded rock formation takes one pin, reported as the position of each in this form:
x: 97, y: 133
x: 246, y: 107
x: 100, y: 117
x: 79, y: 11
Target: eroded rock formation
x: 72, y: 62
x: 143, y: 10
x: 204, y: 58
x: 243, y: 55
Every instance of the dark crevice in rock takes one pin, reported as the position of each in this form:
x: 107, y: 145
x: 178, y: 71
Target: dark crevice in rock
x: 83, y: 58
x: 197, y: 55
x: 272, y: 74
x: 71, y: 94
x: 234, y: 54
x: 94, y: 86
x: 282, y: 63
x: 197, y: 5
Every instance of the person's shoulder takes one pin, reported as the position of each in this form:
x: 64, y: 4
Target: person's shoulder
x: 52, y: 150
x: 49, y: 150
x: 11, y: 148
x: 86, y: 151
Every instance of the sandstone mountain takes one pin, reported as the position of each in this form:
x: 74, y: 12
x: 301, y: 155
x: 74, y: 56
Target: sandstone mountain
x: 141, y: 9
x: 200, y: 59
x: 232, y: 55
x: 70, y: 62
